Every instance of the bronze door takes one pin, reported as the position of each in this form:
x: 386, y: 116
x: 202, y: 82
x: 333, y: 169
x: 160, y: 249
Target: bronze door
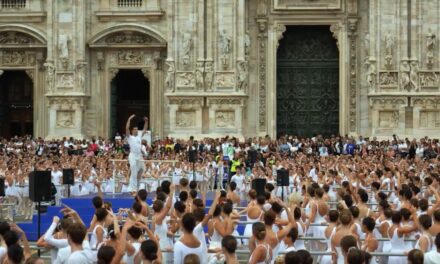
x: 307, y: 82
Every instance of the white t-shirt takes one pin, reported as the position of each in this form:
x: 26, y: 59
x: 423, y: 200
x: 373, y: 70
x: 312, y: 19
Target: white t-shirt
x: 135, y: 143
x: 181, y: 251
x: 3, y: 252
x: 432, y: 257
x: 81, y: 257
x: 56, y: 177
x: 239, y: 180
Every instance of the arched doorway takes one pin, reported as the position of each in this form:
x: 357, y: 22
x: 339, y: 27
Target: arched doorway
x: 307, y: 82
x: 16, y: 104
x: 130, y: 94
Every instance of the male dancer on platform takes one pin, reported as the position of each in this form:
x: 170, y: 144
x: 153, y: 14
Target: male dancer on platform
x: 135, y: 158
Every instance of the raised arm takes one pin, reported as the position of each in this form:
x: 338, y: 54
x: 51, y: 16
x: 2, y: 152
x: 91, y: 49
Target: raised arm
x: 127, y: 126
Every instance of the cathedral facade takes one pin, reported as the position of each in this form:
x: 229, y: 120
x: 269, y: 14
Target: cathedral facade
x: 214, y: 67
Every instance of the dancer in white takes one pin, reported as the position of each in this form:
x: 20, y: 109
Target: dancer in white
x: 135, y: 158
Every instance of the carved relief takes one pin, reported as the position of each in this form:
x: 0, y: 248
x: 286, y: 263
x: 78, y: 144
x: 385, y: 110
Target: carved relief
x: 429, y: 119
x: 128, y: 37
x: 280, y: 29
x: 185, y: 119
x: 185, y: 79
x: 14, y: 58
x: 225, y: 119
x: 209, y: 75
x: 199, y: 75
x: 335, y: 28
x: 186, y: 101
x: 262, y: 8
x: 352, y: 35
x: 169, y: 80
x: 113, y: 72
x: 129, y: 57
x: 224, y: 48
x: 187, y: 44
x: 242, y: 75
x: 306, y: 4
x: 100, y: 60
x: 30, y: 73
x: 65, y: 119
x: 430, y: 45
x: 224, y: 80
x: 388, y: 119
x: 31, y: 59
x: 65, y: 80
x: 113, y: 59
x: 429, y: 79
x: 50, y: 75
x: 388, y: 79
x: 389, y: 49
x: 262, y: 38
x: 13, y: 37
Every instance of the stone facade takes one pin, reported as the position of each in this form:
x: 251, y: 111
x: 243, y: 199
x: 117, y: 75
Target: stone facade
x: 212, y: 64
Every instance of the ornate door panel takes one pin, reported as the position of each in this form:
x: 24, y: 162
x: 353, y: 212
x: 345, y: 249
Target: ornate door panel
x: 307, y: 82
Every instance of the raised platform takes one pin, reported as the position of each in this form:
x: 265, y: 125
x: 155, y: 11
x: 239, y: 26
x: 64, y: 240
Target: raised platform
x: 83, y: 205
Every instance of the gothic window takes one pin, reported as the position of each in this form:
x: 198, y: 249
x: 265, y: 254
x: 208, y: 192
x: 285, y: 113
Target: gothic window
x: 130, y: 3
x: 13, y: 4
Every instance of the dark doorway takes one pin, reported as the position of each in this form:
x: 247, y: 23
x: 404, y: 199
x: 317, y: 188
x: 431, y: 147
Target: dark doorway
x: 130, y: 94
x: 307, y: 82
x: 16, y: 104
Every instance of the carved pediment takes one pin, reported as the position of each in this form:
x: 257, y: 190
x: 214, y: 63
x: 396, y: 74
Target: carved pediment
x: 16, y: 38
x: 129, y: 38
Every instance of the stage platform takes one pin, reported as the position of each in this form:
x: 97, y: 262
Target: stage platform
x: 83, y: 205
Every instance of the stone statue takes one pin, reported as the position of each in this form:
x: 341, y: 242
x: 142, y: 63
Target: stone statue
x: 430, y: 44
x: 169, y: 80
x: 247, y: 43
x: 367, y: 44
x: 225, y: 47
x: 371, y: 77
x: 209, y: 75
x: 199, y: 75
x: 186, y: 47
x: 63, y: 48
x: 80, y: 76
x: 50, y: 75
x: 389, y: 46
x: 413, y: 75
x: 404, y: 76
x: 242, y: 76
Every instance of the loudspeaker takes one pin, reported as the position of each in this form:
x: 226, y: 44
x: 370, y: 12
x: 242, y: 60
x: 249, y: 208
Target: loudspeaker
x: 253, y: 155
x: 2, y: 187
x: 282, y: 177
x: 192, y: 156
x: 40, y: 184
x: 259, y: 186
x: 68, y: 177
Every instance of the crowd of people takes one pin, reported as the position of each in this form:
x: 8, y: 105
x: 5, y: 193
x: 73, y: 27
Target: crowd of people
x: 349, y: 200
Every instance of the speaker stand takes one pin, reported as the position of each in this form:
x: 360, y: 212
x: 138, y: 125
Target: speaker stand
x: 194, y: 172
x: 68, y: 190
x: 39, y: 224
x: 282, y: 193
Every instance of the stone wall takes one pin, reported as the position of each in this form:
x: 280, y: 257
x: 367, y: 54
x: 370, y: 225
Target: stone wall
x: 212, y: 63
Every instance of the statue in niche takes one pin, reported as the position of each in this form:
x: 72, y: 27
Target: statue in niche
x: 169, y: 80
x: 63, y: 45
x: 225, y: 47
x: 50, y: 75
x: 367, y: 45
x: 247, y: 43
x: 430, y: 44
x: 389, y: 46
x: 81, y: 72
x: 209, y: 75
x: 242, y: 75
x: 371, y: 76
x: 186, y: 47
x: 413, y: 75
x: 199, y: 75
x: 404, y: 79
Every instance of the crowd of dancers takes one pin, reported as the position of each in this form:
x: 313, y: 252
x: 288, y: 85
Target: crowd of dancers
x: 348, y: 200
